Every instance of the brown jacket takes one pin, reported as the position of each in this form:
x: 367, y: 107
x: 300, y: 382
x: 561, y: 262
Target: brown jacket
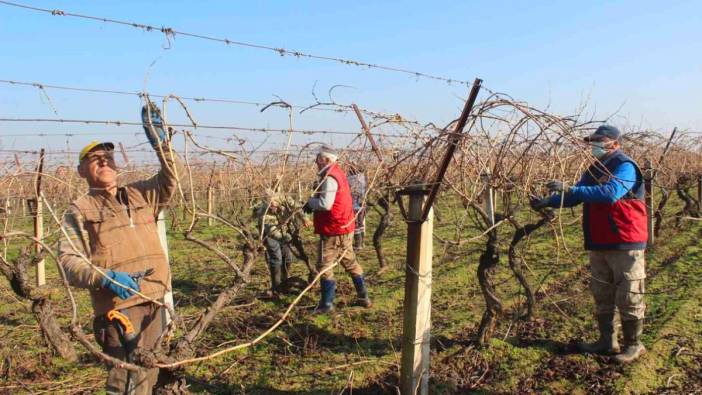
x: 120, y: 237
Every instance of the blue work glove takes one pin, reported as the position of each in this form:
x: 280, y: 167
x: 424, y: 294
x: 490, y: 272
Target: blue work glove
x: 557, y: 186
x: 538, y: 203
x: 122, y: 278
x: 153, y: 127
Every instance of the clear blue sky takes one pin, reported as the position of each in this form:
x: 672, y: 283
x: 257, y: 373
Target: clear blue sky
x: 642, y: 56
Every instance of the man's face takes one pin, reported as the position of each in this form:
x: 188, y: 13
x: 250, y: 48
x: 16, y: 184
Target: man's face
x: 321, y: 162
x: 99, y: 169
x: 606, y: 143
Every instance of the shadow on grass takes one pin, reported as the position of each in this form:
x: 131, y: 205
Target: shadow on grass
x: 551, y: 346
x: 311, y: 338
x: 190, y: 292
x: 7, y: 321
x: 384, y: 385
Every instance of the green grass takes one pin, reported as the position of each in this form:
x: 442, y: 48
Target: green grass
x: 361, y: 348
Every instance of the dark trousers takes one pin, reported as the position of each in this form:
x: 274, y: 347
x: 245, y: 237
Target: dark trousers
x: 279, y: 257
x: 149, y: 321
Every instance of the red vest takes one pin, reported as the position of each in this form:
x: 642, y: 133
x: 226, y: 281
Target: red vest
x: 622, y: 225
x: 340, y: 219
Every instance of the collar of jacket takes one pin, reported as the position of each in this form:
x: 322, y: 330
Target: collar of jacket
x: 325, y: 170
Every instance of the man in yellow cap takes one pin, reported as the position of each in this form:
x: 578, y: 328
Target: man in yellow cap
x: 114, y: 251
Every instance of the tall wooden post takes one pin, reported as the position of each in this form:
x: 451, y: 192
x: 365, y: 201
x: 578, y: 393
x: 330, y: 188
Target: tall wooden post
x: 416, y: 331
x: 161, y: 226
x: 489, y: 197
x: 699, y: 193
x: 210, y: 204
x: 648, y: 186
x: 366, y: 129
x: 39, y: 220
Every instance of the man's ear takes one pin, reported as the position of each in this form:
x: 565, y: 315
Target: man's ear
x: 82, y: 172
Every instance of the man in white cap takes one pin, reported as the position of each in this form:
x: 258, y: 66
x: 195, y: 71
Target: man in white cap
x: 334, y: 222
x: 113, y: 250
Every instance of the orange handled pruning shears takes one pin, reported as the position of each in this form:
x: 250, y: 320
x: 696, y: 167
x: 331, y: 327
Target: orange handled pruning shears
x: 123, y: 321
x: 128, y: 338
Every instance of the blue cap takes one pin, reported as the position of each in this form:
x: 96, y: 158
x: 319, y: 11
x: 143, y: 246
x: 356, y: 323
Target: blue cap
x: 604, y: 131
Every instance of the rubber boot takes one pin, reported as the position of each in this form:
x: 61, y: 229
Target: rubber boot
x: 284, y: 272
x: 633, y: 348
x: 361, y: 292
x: 276, y: 280
x: 357, y: 241
x: 607, y: 344
x: 326, y: 303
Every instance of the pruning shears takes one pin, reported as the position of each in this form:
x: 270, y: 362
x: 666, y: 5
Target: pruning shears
x: 128, y: 335
x: 138, y: 276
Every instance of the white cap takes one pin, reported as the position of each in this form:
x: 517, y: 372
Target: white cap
x: 328, y: 152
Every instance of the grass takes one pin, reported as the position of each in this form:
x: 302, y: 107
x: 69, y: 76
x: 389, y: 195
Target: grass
x: 360, y: 349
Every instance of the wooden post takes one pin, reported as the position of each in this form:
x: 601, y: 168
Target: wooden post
x: 210, y: 202
x: 489, y: 198
x: 416, y: 331
x: 414, y: 367
x: 648, y: 187
x: 17, y: 162
x: 365, y: 128
x: 124, y: 154
x: 454, y: 139
x: 39, y: 220
x: 161, y: 226
x: 699, y: 193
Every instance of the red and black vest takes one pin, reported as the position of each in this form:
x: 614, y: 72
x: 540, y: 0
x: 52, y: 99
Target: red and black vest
x: 621, y: 225
x: 340, y: 219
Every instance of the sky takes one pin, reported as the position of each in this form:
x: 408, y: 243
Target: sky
x: 639, y: 60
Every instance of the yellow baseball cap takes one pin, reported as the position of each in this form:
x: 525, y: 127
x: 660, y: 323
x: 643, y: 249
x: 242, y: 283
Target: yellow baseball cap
x: 92, y: 145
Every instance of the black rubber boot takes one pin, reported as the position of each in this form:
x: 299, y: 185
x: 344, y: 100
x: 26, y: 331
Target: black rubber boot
x: 633, y: 348
x: 284, y: 275
x: 358, y: 241
x: 326, y: 302
x: 607, y: 344
x: 361, y: 292
x: 276, y: 279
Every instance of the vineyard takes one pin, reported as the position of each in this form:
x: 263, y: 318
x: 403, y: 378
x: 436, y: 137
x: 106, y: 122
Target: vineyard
x: 509, y: 284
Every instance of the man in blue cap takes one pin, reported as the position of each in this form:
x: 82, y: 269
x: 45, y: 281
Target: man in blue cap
x: 616, y: 233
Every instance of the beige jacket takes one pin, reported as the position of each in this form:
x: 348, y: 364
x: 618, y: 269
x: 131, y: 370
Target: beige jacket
x: 120, y: 237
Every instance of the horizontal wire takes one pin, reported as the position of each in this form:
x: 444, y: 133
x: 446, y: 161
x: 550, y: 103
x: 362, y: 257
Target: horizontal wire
x: 123, y: 133
x: 319, y: 106
x: 220, y: 127
x: 40, y: 85
x: 280, y: 151
x: 30, y: 196
x: 170, y: 32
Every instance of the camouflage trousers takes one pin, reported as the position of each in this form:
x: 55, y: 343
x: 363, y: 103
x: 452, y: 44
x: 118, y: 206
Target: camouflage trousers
x: 617, y: 282
x: 337, y: 248
x: 148, y: 319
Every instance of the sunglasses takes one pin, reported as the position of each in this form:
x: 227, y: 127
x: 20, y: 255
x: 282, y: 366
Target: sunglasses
x: 107, y: 157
